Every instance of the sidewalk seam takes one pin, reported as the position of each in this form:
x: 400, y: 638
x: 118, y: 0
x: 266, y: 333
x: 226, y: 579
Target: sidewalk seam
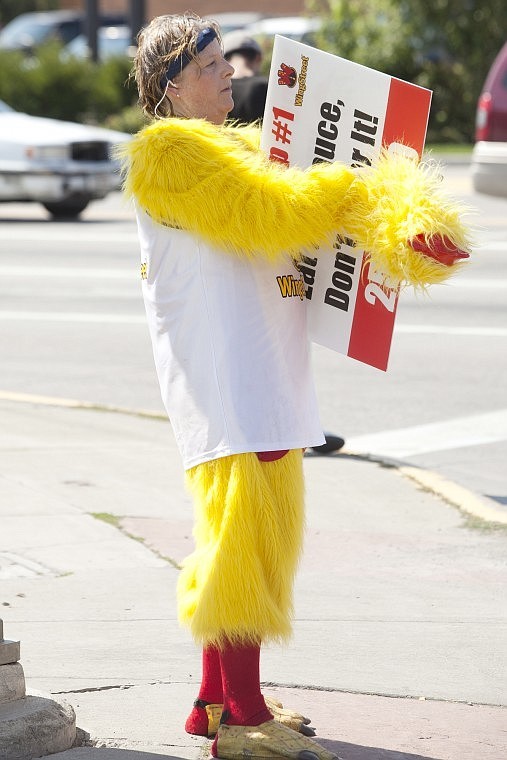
x: 384, y: 695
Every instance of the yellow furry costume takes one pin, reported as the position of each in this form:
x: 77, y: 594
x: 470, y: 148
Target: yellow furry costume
x: 214, y: 182
x: 237, y: 585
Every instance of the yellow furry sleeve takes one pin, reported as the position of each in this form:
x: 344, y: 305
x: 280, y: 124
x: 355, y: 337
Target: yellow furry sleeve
x: 216, y: 182
x: 210, y: 180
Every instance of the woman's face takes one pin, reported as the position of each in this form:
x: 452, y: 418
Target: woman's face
x: 203, y: 89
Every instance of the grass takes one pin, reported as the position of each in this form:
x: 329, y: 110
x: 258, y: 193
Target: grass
x: 107, y: 518
x: 484, y: 526
x: 437, y: 148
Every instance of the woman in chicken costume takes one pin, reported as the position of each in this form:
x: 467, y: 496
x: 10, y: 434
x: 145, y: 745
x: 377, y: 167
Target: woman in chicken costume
x: 218, y: 224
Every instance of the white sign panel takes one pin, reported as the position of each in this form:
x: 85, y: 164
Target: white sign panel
x: 324, y: 108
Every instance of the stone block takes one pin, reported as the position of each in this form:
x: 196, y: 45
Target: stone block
x: 9, y: 652
x: 36, y: 726
x: 12, y: 683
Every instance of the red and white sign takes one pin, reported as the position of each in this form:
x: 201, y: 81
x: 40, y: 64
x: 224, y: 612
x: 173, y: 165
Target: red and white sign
x: 321, y: 107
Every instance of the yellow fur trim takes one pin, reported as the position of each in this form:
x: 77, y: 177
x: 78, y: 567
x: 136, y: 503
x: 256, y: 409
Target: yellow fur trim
x: 237, y: 584
x: 401, y: 200
x: 214, y: 181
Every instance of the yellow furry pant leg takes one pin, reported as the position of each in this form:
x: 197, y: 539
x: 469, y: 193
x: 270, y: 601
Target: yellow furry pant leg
x: 249, y: 517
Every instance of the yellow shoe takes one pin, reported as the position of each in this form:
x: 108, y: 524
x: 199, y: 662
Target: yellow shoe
x: 289, y: 718
x: 214, y: 715
x: 204, y: 720
x: 265, y: 742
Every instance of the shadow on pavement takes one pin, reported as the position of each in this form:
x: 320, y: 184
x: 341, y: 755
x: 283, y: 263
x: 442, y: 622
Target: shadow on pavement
x: 347, y: 751
x: 343, y: 750
x: 111, y: 753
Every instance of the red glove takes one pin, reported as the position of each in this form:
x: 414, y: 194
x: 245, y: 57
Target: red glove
x: 438, y: 247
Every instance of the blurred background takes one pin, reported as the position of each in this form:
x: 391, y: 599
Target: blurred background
x: 72, y: 324
x: 83, y: 48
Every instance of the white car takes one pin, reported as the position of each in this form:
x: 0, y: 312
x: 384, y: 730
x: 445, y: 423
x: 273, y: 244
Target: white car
x: 298, y: 28
x: 60, y: 164
x: 112, y: 41
x: 489, y: 168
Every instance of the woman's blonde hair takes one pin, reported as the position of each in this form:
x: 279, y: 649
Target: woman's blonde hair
x: 158, y: 44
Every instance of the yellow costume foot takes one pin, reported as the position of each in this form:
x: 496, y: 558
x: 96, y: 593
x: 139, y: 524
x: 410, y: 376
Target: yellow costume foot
x: 289, y: 718
x: 204, y: 718
x: 265, y: 742
x: 208, y: 726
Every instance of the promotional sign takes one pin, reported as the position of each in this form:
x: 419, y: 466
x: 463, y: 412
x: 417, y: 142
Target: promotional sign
x: 321, y: 107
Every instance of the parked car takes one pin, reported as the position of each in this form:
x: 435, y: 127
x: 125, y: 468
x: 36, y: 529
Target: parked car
x: 60, y: 164
x: 299, y: 28
x: 29, y: 30
x: 230, y: 21
x: 112, y: 41
x: 489, y: 157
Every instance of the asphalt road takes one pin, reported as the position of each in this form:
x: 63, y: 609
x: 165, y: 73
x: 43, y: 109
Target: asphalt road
x: 72, y: 325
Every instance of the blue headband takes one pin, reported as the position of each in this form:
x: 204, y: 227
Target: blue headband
x: 178, y: 64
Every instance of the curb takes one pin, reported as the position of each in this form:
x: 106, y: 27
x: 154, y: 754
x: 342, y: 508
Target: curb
x: 36, y: 726
x: 462, y: 498
x: 458, y: 496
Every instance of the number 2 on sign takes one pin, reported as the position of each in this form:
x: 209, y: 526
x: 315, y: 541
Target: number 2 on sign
x: 385, y: 289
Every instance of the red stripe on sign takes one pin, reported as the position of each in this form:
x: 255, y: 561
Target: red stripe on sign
x: 405, y: 122
x: 407, y: 115
x: 373, y: 322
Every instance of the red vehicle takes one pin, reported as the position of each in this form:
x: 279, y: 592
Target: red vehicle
x: 489, y: 157
x: 491, y: 119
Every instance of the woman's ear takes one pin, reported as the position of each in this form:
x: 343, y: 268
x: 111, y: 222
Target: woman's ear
x: 172, y: 95
x: 172, y: 89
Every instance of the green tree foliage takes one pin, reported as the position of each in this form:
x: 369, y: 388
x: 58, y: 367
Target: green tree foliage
x: 64, y: 87
x: 445, y: 45
x: 11, y: 8
x: 368, y: 33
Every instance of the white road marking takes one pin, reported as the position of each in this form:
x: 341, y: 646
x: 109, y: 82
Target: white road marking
x: 472, y: 331
x: 70, y: 272
x: 461, y: 432
x: 67, y: 316
x: 68, y: 236
x: 108, y: 318
x: 476, y: 284
x: 493, y: 245
x: 126, y: 273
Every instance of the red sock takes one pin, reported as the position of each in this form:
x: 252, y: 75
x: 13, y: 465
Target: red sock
x: 210, y: 691
x: 243, y: 702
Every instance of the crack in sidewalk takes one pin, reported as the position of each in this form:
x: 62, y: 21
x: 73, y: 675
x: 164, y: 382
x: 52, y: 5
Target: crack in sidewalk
x: 121, y: 686
x: 90, y: 689
x: 386, y: 695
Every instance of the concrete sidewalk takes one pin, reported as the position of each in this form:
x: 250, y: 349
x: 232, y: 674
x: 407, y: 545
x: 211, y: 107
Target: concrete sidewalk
x: 400, y: 637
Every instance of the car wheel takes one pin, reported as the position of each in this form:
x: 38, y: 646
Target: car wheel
x: 66, y: 209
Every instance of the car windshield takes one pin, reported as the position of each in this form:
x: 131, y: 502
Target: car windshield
x: 23, y: 31
x: 31, y: 30
x: 112, y: 41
